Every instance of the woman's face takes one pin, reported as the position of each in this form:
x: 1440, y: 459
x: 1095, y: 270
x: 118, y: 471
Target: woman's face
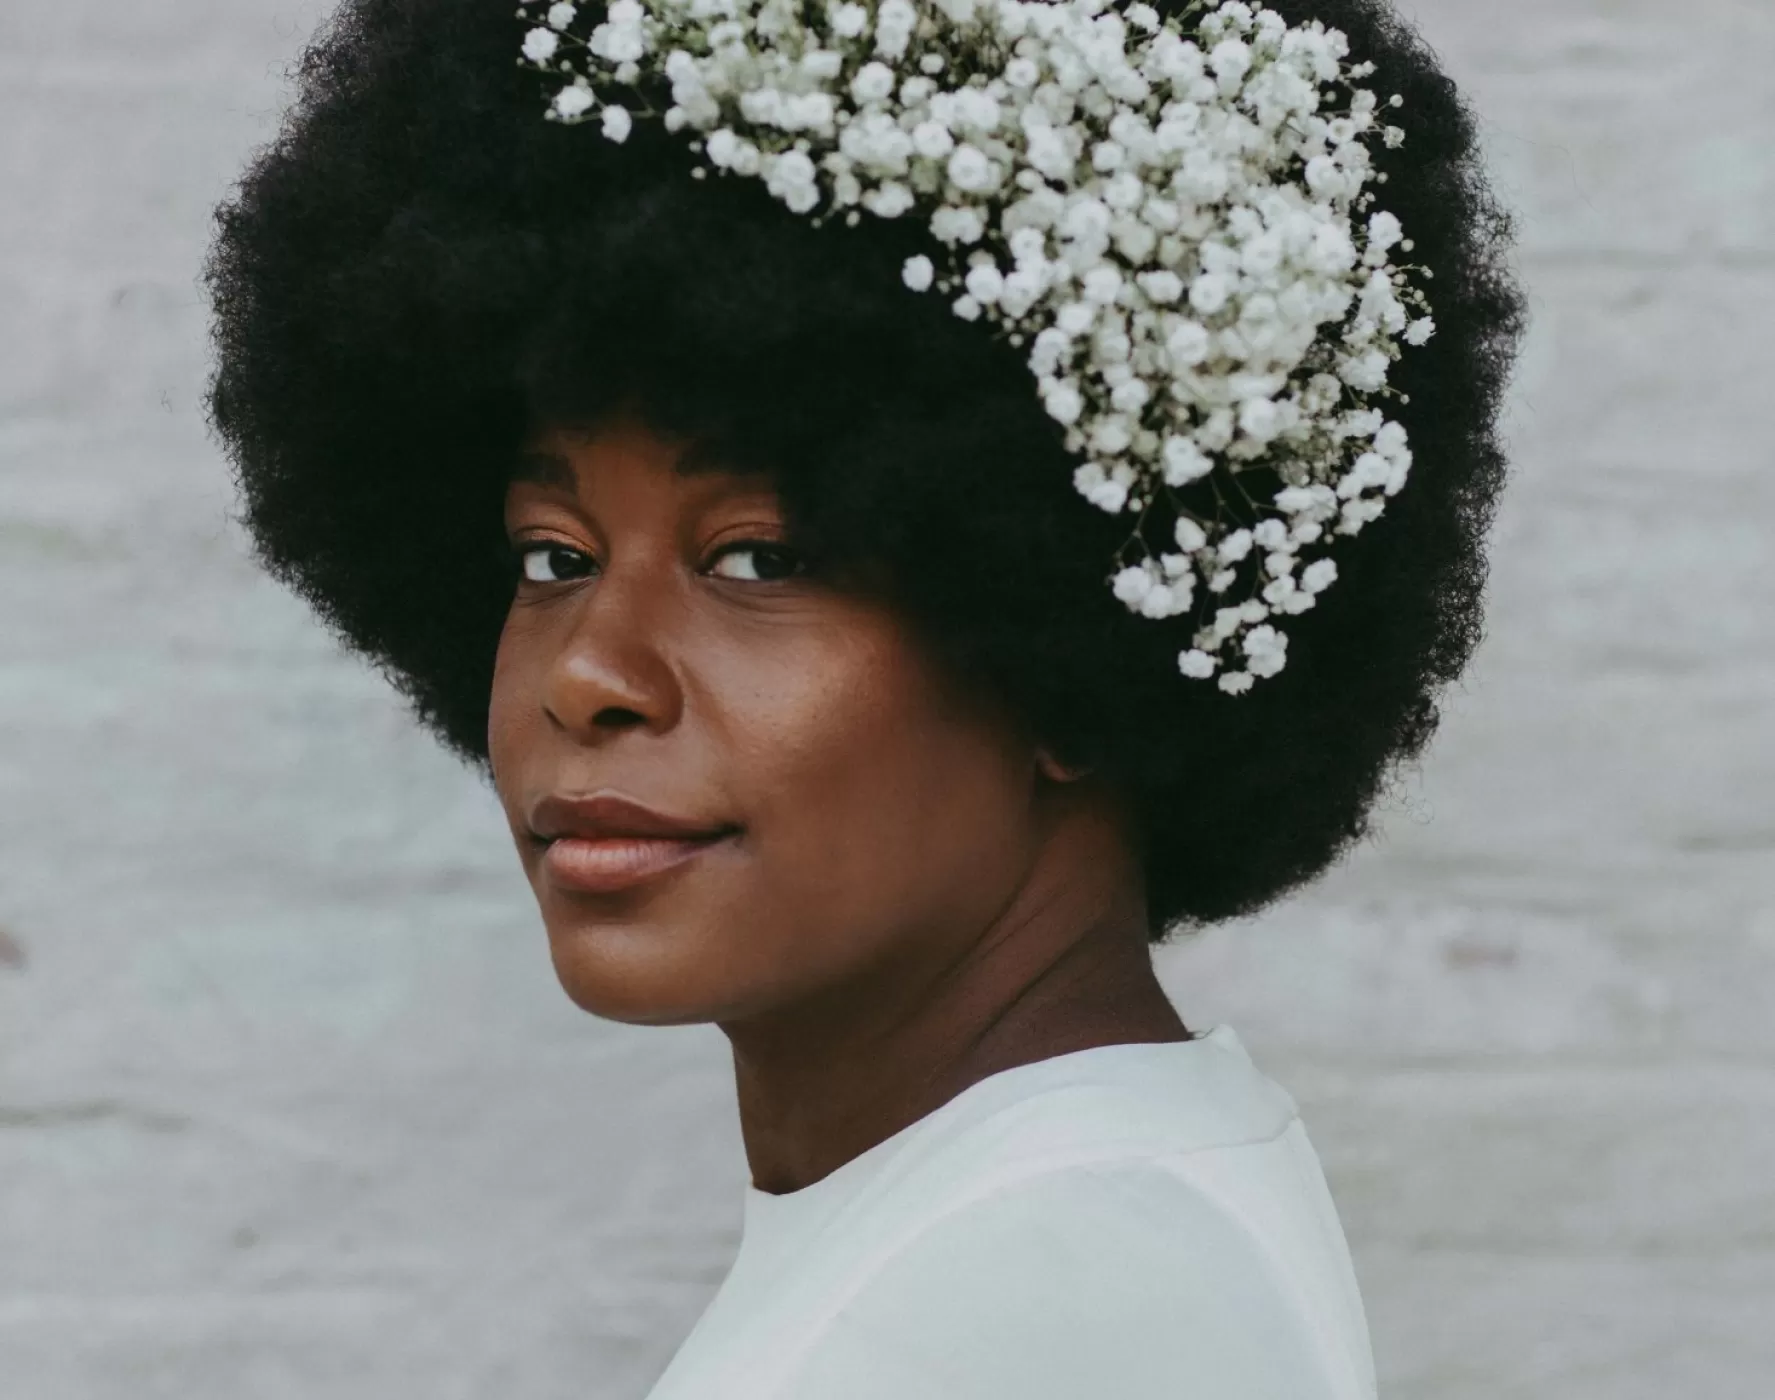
x: 666, y: 647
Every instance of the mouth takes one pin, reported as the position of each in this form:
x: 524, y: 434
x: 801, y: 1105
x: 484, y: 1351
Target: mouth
x: 610, y: 864
x: 607, y: 843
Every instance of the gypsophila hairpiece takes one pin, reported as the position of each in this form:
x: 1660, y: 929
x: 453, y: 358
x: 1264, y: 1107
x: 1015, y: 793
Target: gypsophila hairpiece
x: 1175, y: 222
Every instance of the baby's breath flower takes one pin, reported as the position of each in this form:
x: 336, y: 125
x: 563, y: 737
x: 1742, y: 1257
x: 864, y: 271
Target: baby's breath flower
x: 571, y: 102
x: 617, y: 123
x: 1235, y: 546
x: 1172, y: 216
x: 918, y: 272
x: 848, y: 21
x: 540, y: 45
x: 1319, y: 575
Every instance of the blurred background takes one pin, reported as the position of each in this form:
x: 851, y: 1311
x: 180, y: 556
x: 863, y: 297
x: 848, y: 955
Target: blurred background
x: 291, y: 1105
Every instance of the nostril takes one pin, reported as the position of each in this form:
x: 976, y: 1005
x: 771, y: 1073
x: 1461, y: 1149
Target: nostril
x: 618, y: 717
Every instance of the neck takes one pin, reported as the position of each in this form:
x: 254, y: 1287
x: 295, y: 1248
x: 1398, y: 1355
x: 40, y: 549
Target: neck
x: 1066, y: 966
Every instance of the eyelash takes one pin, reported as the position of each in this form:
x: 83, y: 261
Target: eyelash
x: 524, y: 550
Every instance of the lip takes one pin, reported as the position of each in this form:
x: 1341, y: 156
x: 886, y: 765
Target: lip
x: 618, y: 863
x: 605, y: 843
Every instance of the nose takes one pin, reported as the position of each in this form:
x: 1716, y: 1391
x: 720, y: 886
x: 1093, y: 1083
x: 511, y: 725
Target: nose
x: 613, y: 670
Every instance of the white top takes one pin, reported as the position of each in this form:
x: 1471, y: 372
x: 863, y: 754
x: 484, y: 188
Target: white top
x: 1128, y: 1222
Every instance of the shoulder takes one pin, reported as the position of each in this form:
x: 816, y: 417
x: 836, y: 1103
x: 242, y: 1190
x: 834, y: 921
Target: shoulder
x: 1123, y: 1278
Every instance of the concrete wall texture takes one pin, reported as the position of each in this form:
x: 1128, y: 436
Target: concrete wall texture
x: 290, y: 1104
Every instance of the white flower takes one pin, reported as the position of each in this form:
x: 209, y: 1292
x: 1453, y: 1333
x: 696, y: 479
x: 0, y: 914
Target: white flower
x: 562, y: 15
x: 1166, y: 600
x: 1131, y: 586
x: 1299, y: 500
x: 1390, y: 441
x: 720, y: 146
x: 1365, y: 372
x: 985, y: 284
x: 1064, y: 404
x: 1190, y: 536
x: 1319, y: 575
x: 1163, y: 287
x: 1076, y: 317
x: 889, y: 200
x: 1185, y: 462
x: 1131, y: 397
x: 1270, y: 534
x: 1267, y: 650
x: 617, y: 123
x: 1231, y: 60
x: 1260, y: 420
x: 792, y: 180
x: 1087, y: 220
x: 848, y: 21
x: 918, y: 273
x: 932, y: 140
x: 571, y: 102
x: 894, y: 23
x: 1236, y: 682
x: 1217, y: 433
x: 1420, y: 331
x: 1111, y: 436
x: 1384, y: 231
x: 1197, y: 665
x: 950, y: 224
x: 1209, y: 293
x: 969, y: 169
x: 978, y: 110
x: 1235, y: 546
x: 540, y: 45
x: 1101, y: 284
x: 1188, y: 345
x: 1052, y: 346
x: 1106, y: 493
x: 873, y: 83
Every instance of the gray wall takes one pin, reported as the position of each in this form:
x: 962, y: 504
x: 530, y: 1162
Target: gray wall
x: 291, y: 1106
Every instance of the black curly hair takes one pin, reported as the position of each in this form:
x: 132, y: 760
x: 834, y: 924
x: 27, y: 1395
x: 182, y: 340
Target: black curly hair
x: 420, y: 270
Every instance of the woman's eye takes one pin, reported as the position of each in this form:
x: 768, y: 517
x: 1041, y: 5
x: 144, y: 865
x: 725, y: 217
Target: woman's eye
x: 765, y: 563
x: 552, y: 563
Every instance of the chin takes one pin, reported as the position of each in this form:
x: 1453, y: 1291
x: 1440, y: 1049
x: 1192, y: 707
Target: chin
x: 637, y: 978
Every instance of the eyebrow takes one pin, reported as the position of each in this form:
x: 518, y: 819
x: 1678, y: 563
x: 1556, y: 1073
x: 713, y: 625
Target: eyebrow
x: 539, y: 468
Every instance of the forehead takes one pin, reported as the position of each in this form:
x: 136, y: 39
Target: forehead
x: 558, y: 457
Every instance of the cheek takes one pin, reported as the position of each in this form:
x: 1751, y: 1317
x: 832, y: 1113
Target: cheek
x: 511, y: 708
x: 884, y: 806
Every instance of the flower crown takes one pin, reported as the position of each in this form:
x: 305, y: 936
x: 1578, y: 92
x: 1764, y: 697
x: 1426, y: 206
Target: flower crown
x: 1175, y: 224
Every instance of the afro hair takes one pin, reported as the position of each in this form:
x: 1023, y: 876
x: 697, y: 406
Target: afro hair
x: 420, y: 270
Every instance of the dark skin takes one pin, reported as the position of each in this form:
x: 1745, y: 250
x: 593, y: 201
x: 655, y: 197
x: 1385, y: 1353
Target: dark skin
x: 919, y: 895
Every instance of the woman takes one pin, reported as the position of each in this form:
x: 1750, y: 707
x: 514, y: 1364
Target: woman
x: 763, y: 590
